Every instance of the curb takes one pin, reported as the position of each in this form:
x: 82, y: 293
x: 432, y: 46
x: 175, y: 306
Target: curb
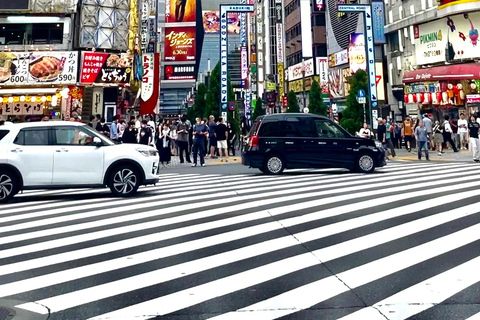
x: 7, y: 309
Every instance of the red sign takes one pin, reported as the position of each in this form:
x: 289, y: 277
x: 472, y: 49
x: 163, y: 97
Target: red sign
x: 100, y: 67
x: 180, y: 44
x: 148, y: 106
x: 285, y: 101
x: 473, y: 98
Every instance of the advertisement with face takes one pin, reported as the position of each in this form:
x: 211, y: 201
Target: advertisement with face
x: 180, y: 11
x: 180, y: 44
x: 356, y: 52
x: 211, y: 22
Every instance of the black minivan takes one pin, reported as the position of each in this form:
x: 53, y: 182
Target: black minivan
x: 301, y: 140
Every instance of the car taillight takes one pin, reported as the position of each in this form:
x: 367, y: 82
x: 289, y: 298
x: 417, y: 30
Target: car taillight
x: 254, y: 141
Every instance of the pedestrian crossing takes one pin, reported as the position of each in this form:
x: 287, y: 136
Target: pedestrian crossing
x: 402, y: 243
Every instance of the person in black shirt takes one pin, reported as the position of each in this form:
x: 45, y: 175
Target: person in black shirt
x: 473, y: 128
x: 145, y: 134
x: 382, y: 135
x: 103, y: 128
x: 130, y: 134
x: 221, y: 132
x: 232, y: 138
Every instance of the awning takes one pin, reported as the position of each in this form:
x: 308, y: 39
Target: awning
x: 468, y: 71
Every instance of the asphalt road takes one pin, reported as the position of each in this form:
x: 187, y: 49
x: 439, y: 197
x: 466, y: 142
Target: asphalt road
x: 225, y: 242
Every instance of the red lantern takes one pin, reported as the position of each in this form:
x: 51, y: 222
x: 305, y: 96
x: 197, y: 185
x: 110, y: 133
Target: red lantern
x: 439, y: 97
x: 414, y: 97
x: 427, y: 98
x: 419, y: 97
x: 405, y: 98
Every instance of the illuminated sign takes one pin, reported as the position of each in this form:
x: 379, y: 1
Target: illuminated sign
x: 180, y: 44
x: 356, y: 52
x: 180, y: 11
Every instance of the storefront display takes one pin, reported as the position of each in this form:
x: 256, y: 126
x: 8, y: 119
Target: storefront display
x: 106, y: 68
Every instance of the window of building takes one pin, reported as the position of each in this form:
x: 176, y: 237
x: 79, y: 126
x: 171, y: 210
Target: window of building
x: 27, y: 33
x: 394, y: 43
x: 319, y: 20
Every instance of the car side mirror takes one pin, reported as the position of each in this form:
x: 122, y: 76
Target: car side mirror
x: 97, y: 142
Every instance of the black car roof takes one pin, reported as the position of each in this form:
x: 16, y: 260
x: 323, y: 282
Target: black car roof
x: 283, y: 116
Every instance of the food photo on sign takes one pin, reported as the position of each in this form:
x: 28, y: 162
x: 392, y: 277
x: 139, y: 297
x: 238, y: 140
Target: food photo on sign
x: 180, y: 44
x: 98, y: 67
x: 53, y: 67
x: 13, y: 68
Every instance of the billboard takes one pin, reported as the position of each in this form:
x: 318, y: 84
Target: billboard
x: 183, y: 72
x: 456, y: 33
x: 295, y: 71
x: 49, y: 67
x: 211, y: 22
x: 356, y: 52
x: 180, y: 11
x: 101, y: 67
x: 322, y: 71
x: 180, y: 44
x: 378, y: 19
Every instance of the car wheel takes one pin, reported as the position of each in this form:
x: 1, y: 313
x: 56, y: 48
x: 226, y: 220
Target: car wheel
x: 124, y: 181
x: 365, y: 163
x: 8, y: 185
x: 274, y: 164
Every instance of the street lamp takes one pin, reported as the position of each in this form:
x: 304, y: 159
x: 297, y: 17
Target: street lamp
x: 208, y: 73
x: 303, y: 85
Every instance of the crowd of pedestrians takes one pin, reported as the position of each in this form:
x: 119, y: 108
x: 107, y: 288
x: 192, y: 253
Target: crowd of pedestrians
x: 212, y: 138
x: 428, y: 136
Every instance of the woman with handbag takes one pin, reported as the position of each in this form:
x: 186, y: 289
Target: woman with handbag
x: 163, y: 145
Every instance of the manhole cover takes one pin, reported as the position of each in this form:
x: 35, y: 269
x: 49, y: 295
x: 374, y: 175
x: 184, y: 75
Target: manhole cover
x: 6, y: 313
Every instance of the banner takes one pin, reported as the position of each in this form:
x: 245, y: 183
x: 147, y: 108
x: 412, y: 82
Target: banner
x: 244, y: 62
x: 180, y: 44
x: 100, y: 67
x: 50, y: 67
x: 183, y: 72
x: 378, y: 19
x: 322, y: 71
x: 180, y: 11
x: 356, y: 52
x: 211, y: 22
x: 148, y: 76
x: 21, y: 109
x: 281, y: 80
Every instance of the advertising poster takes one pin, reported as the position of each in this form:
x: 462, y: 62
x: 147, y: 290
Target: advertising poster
x: 211, y: 22
x: 100, y: 67
x: 180, y: 44
x: 148, y: 76
x: 50, y: 67
x: 183, y: 72
x: 322, y: 71
x: 448, y: 39
x: 180, y: 11
x: 295, y: 71
x: 378, y: 19
x: 356, y: 52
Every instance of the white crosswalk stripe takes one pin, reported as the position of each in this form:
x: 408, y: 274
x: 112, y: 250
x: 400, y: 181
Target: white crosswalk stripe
x: 249, y: 246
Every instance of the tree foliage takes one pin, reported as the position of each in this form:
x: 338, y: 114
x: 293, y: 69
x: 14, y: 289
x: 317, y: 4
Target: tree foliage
x: 213, y: 96
x: 352, y: 116
x: 292, y: 106
x: 258, y: 110
x: 315, y: 104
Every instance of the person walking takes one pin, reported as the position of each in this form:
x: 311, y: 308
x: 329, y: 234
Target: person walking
x: 232, y: 138
x: 388, y: 135
x: 447, y: 133
x: 221, y: 135
x: 182, y: 138
x: 397, y: 132
x: 474, y: 142
x: 163, y: 145
x: 114, y: 130
x: 145, y: 134
x: 122, y: 126
x: 438, y: 137
x: 463, y: 131
x: 200, y: 132
x: 382, y: 135
x: 407, y: 133
x: 427, y: 123
x: 421, y: 135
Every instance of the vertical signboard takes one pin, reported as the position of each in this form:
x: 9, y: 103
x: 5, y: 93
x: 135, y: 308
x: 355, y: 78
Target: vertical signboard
x: 144, y: 25
x: 244, y: 62
x: 306, y: 25
x: 281, y: 80
x: 224, y: 10
x: 259, y: 29
x: 370, y: 47
x: 356, y: 52
x: 322, y: 71
x: 378, y: 22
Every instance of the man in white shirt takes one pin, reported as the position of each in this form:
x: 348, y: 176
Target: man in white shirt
x: 463, y: 131
x: 447, y: 133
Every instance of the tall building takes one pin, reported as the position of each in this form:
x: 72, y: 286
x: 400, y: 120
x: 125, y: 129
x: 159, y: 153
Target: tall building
x: 433, y: 57
x: 302, y: 70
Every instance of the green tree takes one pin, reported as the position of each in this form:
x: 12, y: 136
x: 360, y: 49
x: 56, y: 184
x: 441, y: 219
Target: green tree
x: 352, y: 116
x: 258, y: 110
x: 315, y: 104
x: 198, y: 108
x: 213, y: 96
x: 292, y: 106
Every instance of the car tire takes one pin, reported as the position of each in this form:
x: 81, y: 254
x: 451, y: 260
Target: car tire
x: 274, y: 165
x: 124, y: 181
x: 8, y: 185
x: 365, y: 163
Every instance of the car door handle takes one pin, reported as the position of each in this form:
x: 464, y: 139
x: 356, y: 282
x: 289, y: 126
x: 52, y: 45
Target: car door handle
x: 62, y: 150
x: 335, y: 143
x: 288, y: 142
x: 17, y: 150
x: 322, y: 143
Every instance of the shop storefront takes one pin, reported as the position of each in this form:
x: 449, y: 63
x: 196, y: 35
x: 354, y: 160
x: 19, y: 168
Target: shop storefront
x: 34, y: 84
x: 444, y: 90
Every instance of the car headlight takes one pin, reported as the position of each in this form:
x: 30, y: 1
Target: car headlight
x: 378, y: 144
x: 148, y: 152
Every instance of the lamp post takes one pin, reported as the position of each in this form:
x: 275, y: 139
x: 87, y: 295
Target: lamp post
x: 208, y: 73
x: 303, y: 84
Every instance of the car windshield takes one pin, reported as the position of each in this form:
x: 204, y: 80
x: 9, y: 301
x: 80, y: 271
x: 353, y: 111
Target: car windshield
x: 104, y: 139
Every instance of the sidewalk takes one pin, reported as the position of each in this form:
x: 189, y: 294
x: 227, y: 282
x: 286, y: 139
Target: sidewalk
x: 449, y: 155
x: 175, y: 163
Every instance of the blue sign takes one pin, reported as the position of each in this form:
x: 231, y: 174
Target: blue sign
x: 361, y: 93
x: 378, y: 18
x: 231, y: 106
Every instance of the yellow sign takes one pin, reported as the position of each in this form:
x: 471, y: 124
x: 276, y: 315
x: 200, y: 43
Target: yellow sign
x: 271, y: 86
x: 281, y: 81
x: 297, y: 85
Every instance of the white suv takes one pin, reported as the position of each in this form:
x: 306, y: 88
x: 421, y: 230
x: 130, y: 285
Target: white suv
x: 55, y: 155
